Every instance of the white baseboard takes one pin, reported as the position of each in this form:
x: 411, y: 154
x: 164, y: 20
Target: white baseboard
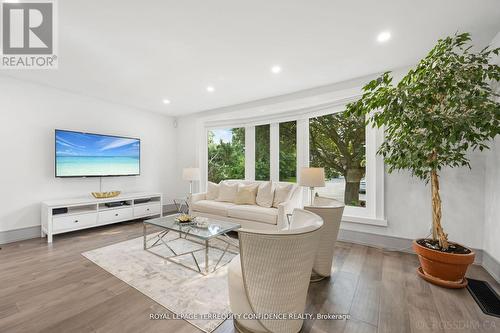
x: 491, y: 265
x: 16, y: 235
x: 375, y: 240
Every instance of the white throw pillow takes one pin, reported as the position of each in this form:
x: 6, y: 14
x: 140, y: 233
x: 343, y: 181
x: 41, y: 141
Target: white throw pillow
x: 227, y: 192
x: 212, y: 191
x: 246, y: 194
x: 265, y: 194
x: 282, y: 193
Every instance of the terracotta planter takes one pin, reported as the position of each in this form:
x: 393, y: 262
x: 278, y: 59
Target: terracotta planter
x: 441, y: 268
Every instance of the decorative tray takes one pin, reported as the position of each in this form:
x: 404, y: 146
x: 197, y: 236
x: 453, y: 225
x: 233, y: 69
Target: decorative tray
x: 105, y: 195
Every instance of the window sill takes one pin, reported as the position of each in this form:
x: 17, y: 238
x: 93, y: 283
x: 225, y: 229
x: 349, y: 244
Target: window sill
x: 364, y: 220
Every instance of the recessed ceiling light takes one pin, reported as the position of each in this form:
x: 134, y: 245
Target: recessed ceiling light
x: 166, y: 101
x: 210, y: 89
x: 384, y: 36
x: 276, y: 69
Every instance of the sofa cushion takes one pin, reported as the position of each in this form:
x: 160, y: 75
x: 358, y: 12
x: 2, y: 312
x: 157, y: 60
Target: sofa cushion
x: 246, y: 194
x: 282, y: 193
x: 212, y: 191
x: 212, y: 207
x: 265, y: 194
x: 254, y: 213
x: 227, y: 192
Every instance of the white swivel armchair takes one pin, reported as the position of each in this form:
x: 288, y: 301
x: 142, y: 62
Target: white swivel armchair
x: 330, y: 210
x: 271, y: 274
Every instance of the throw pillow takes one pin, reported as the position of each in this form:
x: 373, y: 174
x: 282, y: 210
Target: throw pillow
x: 227, y: 192
x: 246, y: 194
x: 212, y: 191
x: 265, y: 194
x: 282, y: 194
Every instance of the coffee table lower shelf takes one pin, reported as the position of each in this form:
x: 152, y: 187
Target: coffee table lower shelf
x: 159, y: 240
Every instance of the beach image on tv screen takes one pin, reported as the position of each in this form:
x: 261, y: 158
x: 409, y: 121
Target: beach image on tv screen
x: 81, y: 154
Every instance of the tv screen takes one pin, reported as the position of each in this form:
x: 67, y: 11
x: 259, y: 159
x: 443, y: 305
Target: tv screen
x: 94, y: 155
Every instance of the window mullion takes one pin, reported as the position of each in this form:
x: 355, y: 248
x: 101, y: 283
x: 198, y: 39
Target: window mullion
x: 302, y: 144
x: 274, y: 150
x: 302, y: 151
x: 250, y: 153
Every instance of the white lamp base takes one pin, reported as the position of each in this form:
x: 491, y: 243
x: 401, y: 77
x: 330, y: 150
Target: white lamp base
x: 311, y: 201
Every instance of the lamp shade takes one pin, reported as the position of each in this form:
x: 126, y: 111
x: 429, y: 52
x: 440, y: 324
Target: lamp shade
x: 191, y: 174
x: 312, y: 177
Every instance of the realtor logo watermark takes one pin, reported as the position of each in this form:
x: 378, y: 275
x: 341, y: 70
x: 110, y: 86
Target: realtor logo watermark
x: 29, y: 38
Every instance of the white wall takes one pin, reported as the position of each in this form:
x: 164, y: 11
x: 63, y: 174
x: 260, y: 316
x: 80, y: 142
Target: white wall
x: 492, y: 191
x: 408, y: 205
x: 29, y: 114
x: 187, y: 152
x: 407, y: 199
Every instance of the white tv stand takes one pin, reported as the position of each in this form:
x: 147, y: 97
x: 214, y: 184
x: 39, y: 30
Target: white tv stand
x: 88, y: 212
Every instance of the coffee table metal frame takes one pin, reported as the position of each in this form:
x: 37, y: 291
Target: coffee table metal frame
x: 182, y: 205
x: 184, y: 232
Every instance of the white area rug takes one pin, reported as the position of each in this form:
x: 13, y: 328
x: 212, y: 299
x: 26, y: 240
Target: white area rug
x: 180, y: 290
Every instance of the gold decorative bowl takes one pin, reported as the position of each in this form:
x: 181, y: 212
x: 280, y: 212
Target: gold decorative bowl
x: 185, y: 218
x: 105, y: 195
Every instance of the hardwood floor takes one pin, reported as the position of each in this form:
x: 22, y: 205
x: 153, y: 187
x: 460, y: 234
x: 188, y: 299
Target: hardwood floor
x: 53, y: 288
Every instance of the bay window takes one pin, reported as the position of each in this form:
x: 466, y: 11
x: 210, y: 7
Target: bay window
x: 278, y: 148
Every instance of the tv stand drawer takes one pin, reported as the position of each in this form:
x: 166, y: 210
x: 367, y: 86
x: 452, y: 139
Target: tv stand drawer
x: 62, y: 223
x: 147, y: 209
x: 118, y: 214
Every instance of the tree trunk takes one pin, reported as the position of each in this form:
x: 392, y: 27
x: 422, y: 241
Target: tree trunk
x: 351, y: 193
x: 437, y: 229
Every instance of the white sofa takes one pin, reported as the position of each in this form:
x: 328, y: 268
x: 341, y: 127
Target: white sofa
x: 248, y: 216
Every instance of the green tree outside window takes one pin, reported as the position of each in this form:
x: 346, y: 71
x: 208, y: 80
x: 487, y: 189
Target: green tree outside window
x: 288, y: 151
x: 337, y: 143
x: 262, y: 152
x: 226, y: 154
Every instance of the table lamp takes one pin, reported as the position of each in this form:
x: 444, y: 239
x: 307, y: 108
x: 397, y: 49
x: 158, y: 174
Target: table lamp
x: 191, y: 174
x: 312, y: 177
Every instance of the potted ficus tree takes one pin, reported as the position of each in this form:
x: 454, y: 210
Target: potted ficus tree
x: 440, y: 110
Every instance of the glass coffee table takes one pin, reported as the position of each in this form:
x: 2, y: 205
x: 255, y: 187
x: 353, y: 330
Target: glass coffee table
x: 215, y: 230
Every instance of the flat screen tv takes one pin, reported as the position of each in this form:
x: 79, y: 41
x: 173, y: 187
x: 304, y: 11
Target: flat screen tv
x: 81, y: 154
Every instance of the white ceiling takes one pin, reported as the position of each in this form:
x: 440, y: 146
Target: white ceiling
x: 137, y: 53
